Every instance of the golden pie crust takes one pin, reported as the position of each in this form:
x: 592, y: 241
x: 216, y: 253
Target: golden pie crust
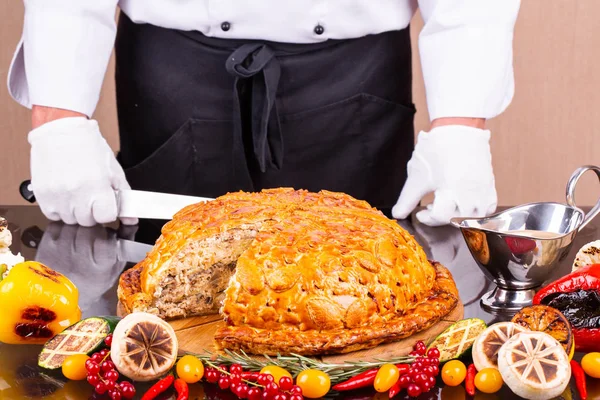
x: 316, y: 273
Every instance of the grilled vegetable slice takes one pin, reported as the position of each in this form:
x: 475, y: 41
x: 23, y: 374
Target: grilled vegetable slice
x: 487, y: 345
x: 144, y: 347
x: 83, y: 337
x: 458, y: 338
x: 549, y: 320
x: 587, y: 255
x: 534, y: 365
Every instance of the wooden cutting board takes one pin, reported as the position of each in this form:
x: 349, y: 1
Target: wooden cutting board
x: 196, y: 334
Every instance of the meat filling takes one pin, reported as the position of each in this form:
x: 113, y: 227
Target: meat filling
x: 199, y: 274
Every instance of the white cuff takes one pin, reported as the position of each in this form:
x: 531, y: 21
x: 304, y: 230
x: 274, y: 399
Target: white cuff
x: 466, y: 57
x: 62, y: 57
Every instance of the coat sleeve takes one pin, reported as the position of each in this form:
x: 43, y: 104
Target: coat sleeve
x: 466, y: 56
x: 63, y: 53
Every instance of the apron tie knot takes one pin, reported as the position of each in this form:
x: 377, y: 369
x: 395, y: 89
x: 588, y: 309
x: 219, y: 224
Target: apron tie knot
x: 257, y: 72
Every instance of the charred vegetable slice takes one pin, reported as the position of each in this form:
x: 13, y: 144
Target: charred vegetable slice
x: 534, y: 365
x: 144, y: 347
x: 84, y: 337
x: 587, y: 255
x: 458, y: 338
x: 491, y: 340
x: 549, y: 320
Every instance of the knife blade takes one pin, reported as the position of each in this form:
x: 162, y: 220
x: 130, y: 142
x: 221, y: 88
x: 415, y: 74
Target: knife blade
x: 153, y: 205
x: 138, y: 203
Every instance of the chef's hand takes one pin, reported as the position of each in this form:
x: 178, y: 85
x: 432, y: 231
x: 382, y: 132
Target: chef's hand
x: 455, y: 163
x: 74, y: 173
x: 88, y: 256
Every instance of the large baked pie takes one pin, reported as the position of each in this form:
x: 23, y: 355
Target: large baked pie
x: 291, y: 272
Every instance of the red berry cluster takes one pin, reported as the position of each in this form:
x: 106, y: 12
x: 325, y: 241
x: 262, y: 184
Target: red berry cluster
x: 422, y: 374
x: 103, y: 376
x: 253, y: 385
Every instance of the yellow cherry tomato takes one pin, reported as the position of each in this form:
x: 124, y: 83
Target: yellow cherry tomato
x: 73, y: 367
x: 314, y: 383
x: 488, y: 380
x: 386, y: 377
x: 190, y: 369
x: 591, y: 364
x: 454, y: 373
x: 276, y: 372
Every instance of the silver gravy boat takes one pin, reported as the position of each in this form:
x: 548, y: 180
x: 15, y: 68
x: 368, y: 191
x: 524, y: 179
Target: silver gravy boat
x: 518, y: 248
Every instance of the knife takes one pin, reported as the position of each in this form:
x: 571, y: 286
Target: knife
x: 138, y: 203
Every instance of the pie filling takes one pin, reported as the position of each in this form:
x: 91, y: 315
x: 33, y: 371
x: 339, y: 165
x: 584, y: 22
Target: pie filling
x: 582, y: 307
x: 200, y: 273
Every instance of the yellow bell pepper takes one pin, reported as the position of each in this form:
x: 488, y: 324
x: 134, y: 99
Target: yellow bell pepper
x: 36, y: 303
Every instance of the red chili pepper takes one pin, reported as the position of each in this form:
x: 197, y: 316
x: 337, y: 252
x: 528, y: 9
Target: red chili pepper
x: 470, y: 380
x: 403, y: 368
x: 158, y: 388
x: 250, y: 376
x: 361, y: 380
x: 183, y: 391
x: 368, y: 372
x: 394, y: 390
x: 365, y: 379
x: 579, y: 379
x: 584, y: 279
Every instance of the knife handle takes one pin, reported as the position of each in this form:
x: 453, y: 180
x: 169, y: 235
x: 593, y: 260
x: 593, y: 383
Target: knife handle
x: 26, y: 192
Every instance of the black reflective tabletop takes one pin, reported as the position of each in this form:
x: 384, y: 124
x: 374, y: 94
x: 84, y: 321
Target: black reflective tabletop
x: 93, y: 258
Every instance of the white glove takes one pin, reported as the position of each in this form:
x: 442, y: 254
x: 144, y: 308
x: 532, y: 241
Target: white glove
x: 74, y: 173
x: 455, y: 163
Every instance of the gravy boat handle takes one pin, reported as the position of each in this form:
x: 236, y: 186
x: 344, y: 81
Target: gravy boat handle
x: 571, y: 185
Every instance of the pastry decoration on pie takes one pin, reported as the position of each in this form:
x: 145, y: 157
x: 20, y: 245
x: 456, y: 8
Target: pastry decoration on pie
x: 291, y: 271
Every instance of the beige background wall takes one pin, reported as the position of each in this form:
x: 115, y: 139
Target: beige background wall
x: 546, y: 133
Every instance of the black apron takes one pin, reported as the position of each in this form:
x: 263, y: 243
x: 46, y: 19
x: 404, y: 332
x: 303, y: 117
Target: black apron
x: 204, y: 116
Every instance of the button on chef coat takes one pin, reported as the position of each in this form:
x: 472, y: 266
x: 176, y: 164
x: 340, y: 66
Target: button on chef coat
x: 465, y: 45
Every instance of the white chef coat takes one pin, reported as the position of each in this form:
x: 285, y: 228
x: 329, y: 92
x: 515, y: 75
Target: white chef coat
x: 465, y: 45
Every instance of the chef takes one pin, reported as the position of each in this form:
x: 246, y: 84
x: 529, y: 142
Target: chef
x: 220, y: 95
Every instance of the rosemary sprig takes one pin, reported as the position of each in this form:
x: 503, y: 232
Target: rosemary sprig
x: 295, y: 363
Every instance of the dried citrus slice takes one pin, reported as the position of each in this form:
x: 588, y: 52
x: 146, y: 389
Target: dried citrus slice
x: 458, y: 338
x: 534, y: 365
x: 549, y: 320
x: 488, y: 344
